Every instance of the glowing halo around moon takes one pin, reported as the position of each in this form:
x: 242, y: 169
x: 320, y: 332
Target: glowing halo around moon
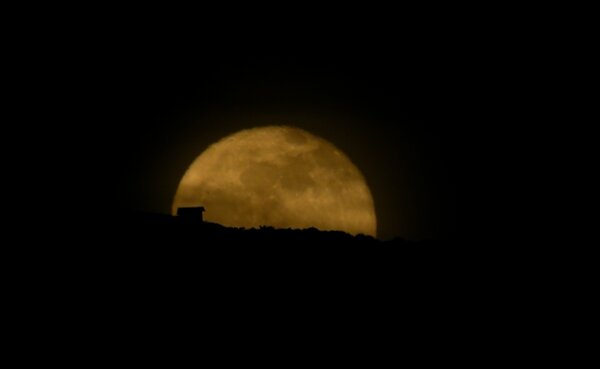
x: 278, y: 176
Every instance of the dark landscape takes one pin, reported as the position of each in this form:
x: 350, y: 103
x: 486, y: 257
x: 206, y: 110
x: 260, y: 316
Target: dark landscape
x: 156, y: 246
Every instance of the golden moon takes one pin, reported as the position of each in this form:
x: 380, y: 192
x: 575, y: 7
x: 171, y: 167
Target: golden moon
x: 278, y: 176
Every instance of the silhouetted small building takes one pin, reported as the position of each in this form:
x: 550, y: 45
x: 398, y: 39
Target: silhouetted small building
x: 194, y: 213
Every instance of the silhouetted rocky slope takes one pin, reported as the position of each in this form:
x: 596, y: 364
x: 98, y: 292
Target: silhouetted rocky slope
x: 167, y: 232
x: 151, y: 240
x: 132, y: 270
x: 143, y: 255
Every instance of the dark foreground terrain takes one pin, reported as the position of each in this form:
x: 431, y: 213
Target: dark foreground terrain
x: 152, y: 281
x: 151, y: 250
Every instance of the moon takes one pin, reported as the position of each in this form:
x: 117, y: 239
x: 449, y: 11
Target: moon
x: 278, y: 176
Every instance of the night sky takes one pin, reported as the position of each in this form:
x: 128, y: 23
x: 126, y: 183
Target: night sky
x: 399, y: 108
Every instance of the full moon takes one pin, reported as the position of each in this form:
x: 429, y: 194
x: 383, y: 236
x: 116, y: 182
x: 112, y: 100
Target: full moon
x: 278, y: 176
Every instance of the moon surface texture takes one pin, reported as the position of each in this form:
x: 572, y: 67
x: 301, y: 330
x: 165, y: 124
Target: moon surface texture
x: 278, y: 176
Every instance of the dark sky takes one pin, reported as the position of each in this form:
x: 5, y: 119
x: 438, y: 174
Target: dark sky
x: 400, y: 107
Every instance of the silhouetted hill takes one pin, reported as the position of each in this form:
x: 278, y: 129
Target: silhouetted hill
x: 147, y: 273
x: 147, y: 243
